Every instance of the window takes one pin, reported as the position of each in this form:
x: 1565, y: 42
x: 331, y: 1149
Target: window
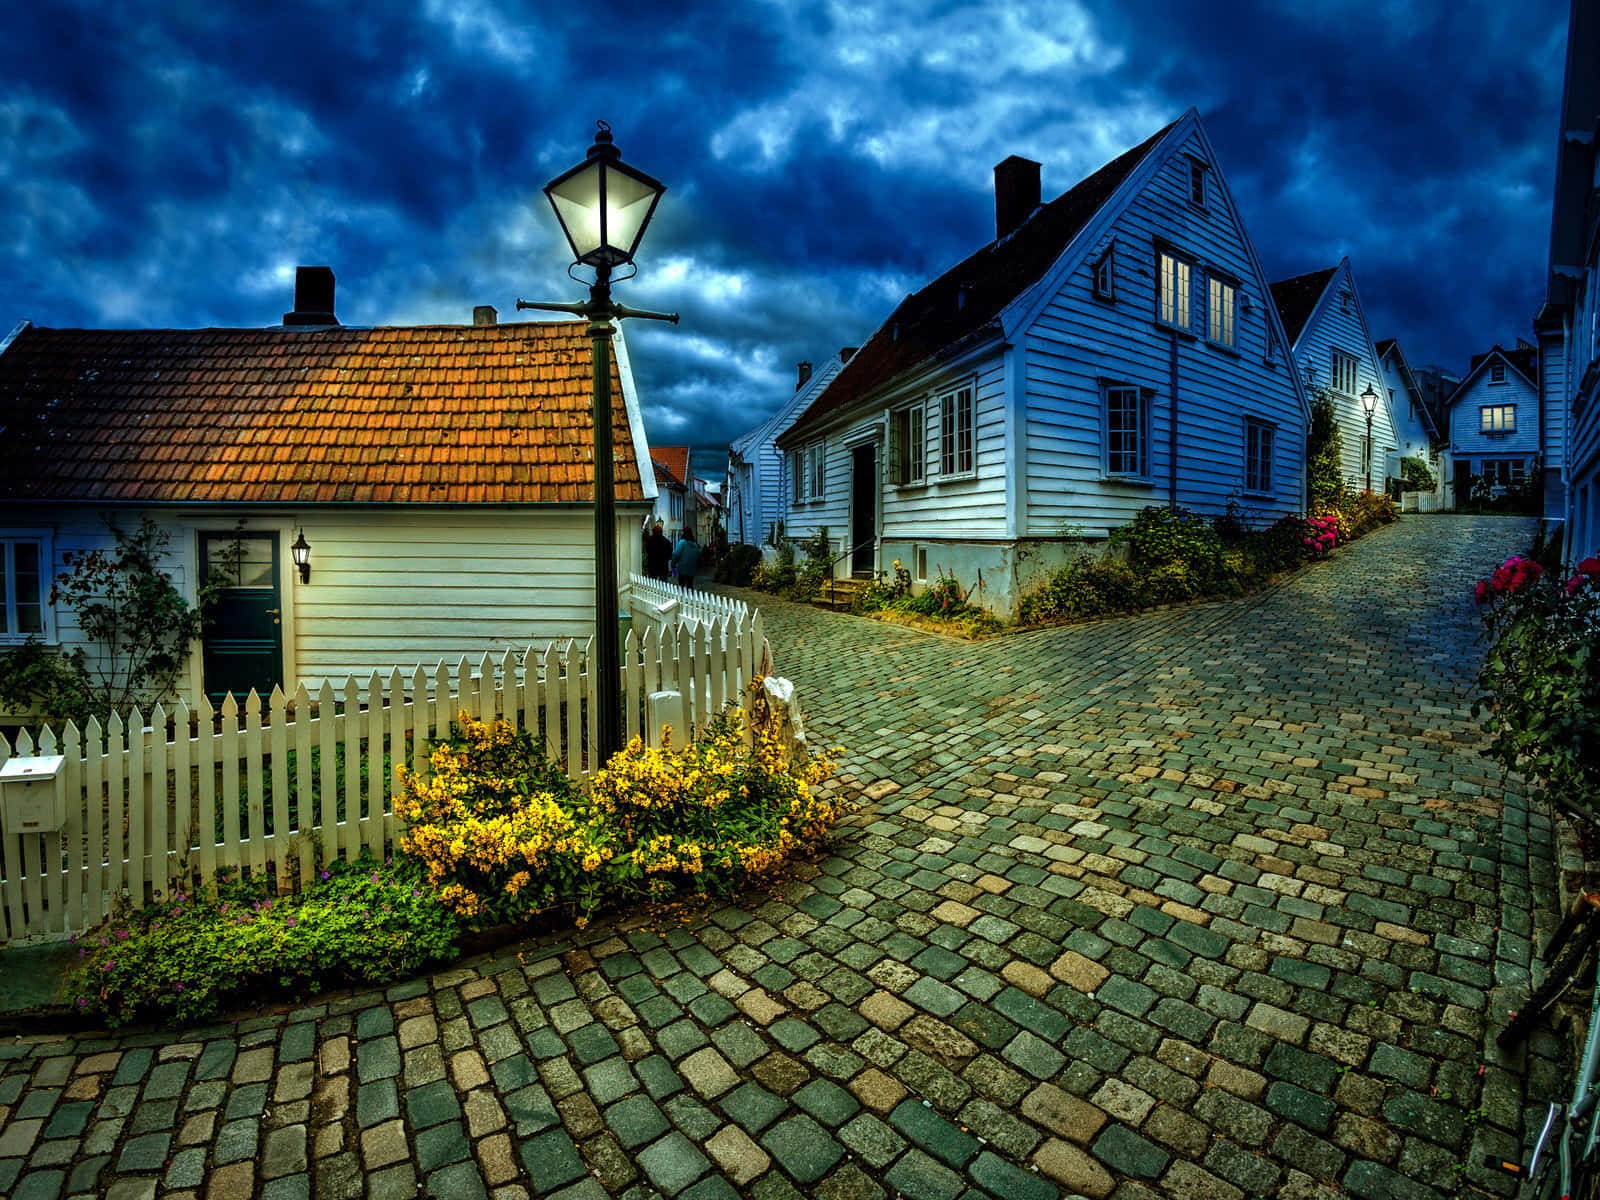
x: 1344, y: 373
x: 24, y: 598
x: 1497, y: 372
x: 806, y: 464
x: 1105, y: 280
x: 1222, y: 301
x: 1197, y: 183
x: 1497, y: 418
x: 1258, y: 438
x: 908, y: 452
x: 955, y: 432
x: 1173, y: 307
x: 1126, y: 413
x: 1505, y: 472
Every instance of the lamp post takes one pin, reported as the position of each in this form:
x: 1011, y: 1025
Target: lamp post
x: 1369, y: 402
x: 603, y: 206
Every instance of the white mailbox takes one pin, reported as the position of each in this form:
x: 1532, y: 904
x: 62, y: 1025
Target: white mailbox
x: 32, y: 796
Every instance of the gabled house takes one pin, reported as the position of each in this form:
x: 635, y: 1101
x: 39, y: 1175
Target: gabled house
x: 1494, y: 418
x: 1568, y: 327
x: 441, y: 475
x: 1110, y: 350
x: 1416, y: 429
x: 756, y: 473
x: 1334, y: 353
x: 670, y: 465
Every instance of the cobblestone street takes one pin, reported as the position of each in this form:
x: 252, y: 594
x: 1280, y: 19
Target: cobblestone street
x: 1213, y: 903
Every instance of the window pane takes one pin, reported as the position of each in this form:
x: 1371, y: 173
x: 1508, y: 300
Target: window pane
x: 1124, y: 454
x: 254, y: 559
x: 914, y: 448
x: 1174, y: 291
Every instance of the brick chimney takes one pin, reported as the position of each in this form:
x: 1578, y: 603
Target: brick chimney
x: 313, y: 297
x: 804, y: 373
x: 1016, y: 193
x: 485, y: 314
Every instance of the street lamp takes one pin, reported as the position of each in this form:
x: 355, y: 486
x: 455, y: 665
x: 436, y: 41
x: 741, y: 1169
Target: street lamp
x: 603, y: 206
x: 1369, y: 402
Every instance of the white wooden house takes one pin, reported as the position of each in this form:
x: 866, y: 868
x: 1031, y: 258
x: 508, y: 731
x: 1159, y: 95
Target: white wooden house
x: 1494, y: 419
x: 1416, y: 431
x: 1568, y: 327
x: 755, y: 464
x: 1111, y: 350
x: 670, y: 465
x: 1334, y: 353
x: 442, y: 477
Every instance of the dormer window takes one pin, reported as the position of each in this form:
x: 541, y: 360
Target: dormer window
x: 1497, y: 372
x: 1197, y: 183
x: 1105, y: 281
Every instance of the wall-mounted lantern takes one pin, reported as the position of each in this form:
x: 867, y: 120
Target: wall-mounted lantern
x: 302, y: 556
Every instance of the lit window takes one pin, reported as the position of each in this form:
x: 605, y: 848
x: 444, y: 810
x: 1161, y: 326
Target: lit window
x: 955, y: 432
x: 24, y: 596
x: 1125, y: 431
x: 1497, y: 418
x: 1105, y: 281
x: 1174, y: 299
x: 908, y: 455
x: 1344, y: 373
x: 1258, y: 457
x: 1222, y: 299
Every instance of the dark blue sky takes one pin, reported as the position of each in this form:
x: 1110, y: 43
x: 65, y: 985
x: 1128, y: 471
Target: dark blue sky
x: 168, y: 164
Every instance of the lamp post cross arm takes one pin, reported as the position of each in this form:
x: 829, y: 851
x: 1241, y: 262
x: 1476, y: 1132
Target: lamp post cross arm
x: 594, y: 309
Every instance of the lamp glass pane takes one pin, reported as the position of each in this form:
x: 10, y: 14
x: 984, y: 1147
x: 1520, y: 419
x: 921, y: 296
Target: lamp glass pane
x: 628, y: 205
x: 577, y: 205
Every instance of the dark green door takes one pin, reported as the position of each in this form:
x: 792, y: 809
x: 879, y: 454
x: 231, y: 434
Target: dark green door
x: 243, y: 637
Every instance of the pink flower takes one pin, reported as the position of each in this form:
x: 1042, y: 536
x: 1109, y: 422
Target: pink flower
x: 1481, y: 593
x: 1590, y: 567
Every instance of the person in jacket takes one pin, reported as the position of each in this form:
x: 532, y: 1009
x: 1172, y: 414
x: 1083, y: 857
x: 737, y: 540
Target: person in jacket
x: 686, y: 558
x: 657, y: 553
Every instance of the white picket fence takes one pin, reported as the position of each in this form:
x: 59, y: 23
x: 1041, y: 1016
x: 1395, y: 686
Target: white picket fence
x: 274, y: 787
x: 655, y: 601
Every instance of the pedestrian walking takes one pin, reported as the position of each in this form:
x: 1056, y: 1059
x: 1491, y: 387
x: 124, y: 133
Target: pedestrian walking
x: 657, y: 552
x: 686, y: 558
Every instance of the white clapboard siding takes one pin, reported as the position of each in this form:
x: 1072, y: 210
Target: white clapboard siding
x: 1467, y: 439
x: 169, y: 801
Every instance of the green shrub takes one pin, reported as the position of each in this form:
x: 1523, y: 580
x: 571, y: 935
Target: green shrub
x: 738, y: 565
x: 1416, y: 476
x: 1161, y: 536
x: 186, y: 958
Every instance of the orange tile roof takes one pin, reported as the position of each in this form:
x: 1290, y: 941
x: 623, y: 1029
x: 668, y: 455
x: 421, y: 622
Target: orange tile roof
x: 434, y: 414
x: 675, y: 459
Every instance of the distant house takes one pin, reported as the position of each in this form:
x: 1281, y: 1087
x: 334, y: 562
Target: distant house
x: 1416, y: 428
x: 670, y: 465
x: 756, y: 473
x: 1568, y: 327
x: 1493, y: 417
x: 441, y: 475
x: 1108, y: 351
x: 1334, y: 353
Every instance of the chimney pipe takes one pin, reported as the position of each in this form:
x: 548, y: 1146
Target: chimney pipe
x: 805, y: 376
x: 1016, y: 193
x: 485, y: 314
x: 313, y: 297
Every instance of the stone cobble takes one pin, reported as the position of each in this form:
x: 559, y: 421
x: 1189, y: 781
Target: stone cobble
x: 1212, y: 902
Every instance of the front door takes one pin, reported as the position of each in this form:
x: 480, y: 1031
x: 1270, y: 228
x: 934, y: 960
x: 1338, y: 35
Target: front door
x: 243, y: 637
x: 863, y: 508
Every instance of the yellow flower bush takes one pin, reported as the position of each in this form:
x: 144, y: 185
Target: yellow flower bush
x: 503, y: 834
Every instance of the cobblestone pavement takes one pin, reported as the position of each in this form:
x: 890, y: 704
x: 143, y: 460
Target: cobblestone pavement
x: 1212, y: 903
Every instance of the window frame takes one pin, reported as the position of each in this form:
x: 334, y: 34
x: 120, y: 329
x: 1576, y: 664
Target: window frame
x: 1497, y: 372
x: 807, y: 468
x: 1338, y: 359
x: 1514, y: 475
x: 1140, y: 431
x: 1185, y: 294
x: 1199, y: 183
x: 10, y: 633
x: 908, y: 432
x: 1258, y: 473
x: 1497, y: 425
x: 1213, y: 282
x: 958, y: 431
x: 1103, y: 274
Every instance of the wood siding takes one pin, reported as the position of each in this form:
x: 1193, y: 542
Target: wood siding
x: 1469, y: 444
x: 1081, y: 342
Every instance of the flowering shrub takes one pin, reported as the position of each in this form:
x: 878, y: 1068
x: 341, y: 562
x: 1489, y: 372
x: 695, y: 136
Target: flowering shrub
x: 183, y: 959
x: 881, y: 593
x: 1321, y: 535
x: 1541, y: 678
x: 502, y: 838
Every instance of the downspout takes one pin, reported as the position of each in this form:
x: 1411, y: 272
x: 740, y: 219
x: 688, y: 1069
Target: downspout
x: 1172, y: 428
